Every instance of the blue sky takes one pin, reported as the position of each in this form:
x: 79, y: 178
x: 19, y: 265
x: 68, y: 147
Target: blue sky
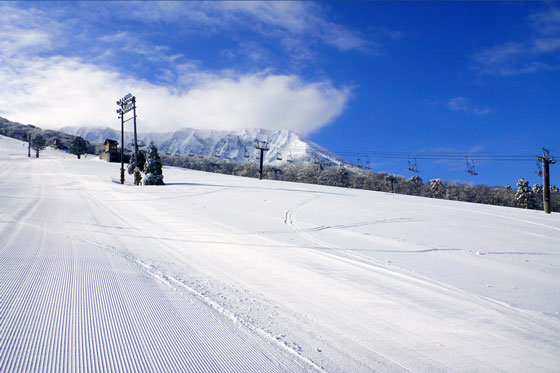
x: 355, y: 77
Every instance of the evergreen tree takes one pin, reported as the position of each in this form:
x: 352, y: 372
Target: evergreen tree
x: 136, y: 167
x: 153, y: 168
x: 414, y: 184
x: 437, y: 188
x: 525, y: 197
x: 38, y: 143
x: 307, y: 173
x: 391, y: 179
x: 341, y: 177
x: 78, y: 146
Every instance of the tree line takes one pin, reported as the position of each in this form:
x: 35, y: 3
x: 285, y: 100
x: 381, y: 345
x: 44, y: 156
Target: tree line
x: 524, y: 196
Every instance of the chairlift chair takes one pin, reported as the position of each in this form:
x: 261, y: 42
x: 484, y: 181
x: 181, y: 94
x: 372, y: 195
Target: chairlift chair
x: 413, y: 166
x: 279, y: 156
x: 470, y: 167
x: 290, y: 157
x: 539, y: 169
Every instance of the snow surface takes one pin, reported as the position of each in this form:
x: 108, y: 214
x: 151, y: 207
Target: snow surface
x: 222, y: 273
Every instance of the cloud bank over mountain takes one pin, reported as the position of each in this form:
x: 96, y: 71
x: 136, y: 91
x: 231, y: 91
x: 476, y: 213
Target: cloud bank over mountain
x: 47, y: 80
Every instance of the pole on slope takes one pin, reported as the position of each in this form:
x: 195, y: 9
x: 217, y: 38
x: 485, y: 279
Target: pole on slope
x: 261, y: 164
x: 136, y: 180
x: 263, y: 147
x: 546, y: 160
x: 122, y: 148
x: 29, y: 144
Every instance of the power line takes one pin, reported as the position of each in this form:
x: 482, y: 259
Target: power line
x: 437, y: 155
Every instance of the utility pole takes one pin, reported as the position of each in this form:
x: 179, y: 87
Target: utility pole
x: 546, y: 160
x: 29, y: 144
x: 263, y: 147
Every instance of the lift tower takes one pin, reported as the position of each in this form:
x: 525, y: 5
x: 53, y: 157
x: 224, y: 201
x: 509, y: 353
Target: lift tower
x: 263, y: 147
x: 546, y: 160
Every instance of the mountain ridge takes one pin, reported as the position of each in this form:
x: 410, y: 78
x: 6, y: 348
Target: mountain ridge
x: 284, y: 145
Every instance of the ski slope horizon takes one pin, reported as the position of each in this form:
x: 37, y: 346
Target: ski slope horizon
x: 214, y: 272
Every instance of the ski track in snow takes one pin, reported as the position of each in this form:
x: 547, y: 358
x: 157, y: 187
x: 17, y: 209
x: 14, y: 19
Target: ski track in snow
x: 69, y: 306
x: 98, y: 276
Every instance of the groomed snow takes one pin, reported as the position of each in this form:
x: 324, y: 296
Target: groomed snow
x: 222, y: 273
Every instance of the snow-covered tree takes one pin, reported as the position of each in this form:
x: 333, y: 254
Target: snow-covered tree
x: 417, y: 181
x: 391, y: 181
x: 307, y: 174
x: 78, y: 146
x: 525, y: 197
x: 135, y: 168
x: 413, y: 185
x: 537, y: 188
x: 38, y: 143
x: 153, y: 168
x: 437, y: 188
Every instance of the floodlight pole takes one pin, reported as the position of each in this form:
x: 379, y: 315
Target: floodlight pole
x: 135, y: 139
x: 122, y: 148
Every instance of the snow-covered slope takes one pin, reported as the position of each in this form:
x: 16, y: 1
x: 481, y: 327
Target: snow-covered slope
x: 221, y: 273
x: 234, y: 145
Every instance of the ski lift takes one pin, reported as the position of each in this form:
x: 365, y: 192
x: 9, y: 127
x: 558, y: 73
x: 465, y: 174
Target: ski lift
x: 539, y: 169
x: 141, y: 144
x: 470, y: 167
x: 413, y: 166
x: 246, y: 155
x: 359, y: 162
x: 290, y: 157
x: 279, y: 156
x: 368, y: 165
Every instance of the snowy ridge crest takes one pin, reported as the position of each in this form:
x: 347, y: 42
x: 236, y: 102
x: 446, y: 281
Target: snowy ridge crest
x: 285, y: 145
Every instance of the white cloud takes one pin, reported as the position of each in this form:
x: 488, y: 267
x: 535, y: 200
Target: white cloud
x: 547, y: 21
x: 58, y: 91
x: 279, y: 19
x: 41, y: 86
x: 457, y: 103
x: 540, y: 51
x: 461, y: 103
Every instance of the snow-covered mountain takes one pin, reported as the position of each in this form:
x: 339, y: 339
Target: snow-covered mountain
x: 284, y: 145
